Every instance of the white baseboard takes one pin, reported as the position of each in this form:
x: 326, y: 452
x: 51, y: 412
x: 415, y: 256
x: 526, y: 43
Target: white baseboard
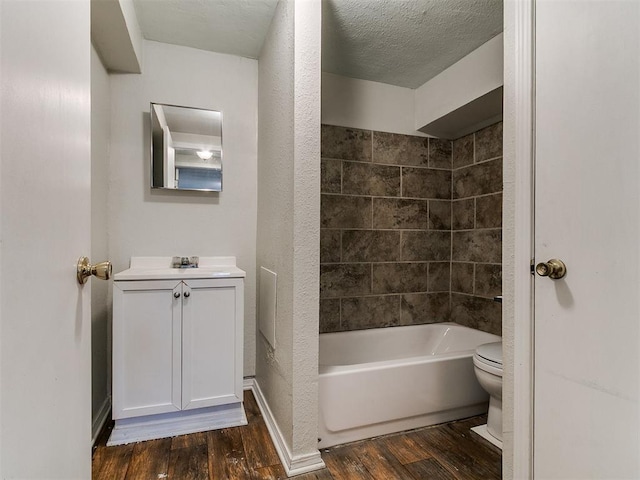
x: 164, y: 425
x: 100, y: 419
x: 293, y: 465
x: 484, y: 433
x: 248, y: 383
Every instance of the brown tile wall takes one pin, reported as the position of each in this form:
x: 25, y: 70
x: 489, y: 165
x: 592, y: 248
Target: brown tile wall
x: 410, y: 229
x: 385, y: 237
x: 476, y: 217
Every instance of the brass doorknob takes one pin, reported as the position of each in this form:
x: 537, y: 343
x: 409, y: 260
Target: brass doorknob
x: 554, y: 269
x: 101, y: 270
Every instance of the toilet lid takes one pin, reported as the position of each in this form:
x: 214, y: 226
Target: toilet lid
x: 491, y: 352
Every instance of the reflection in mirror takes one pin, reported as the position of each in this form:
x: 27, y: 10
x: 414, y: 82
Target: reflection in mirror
x: 186, y: 148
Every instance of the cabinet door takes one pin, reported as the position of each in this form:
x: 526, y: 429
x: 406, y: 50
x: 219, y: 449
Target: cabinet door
x: 146, y: 347
x: 212, y: 323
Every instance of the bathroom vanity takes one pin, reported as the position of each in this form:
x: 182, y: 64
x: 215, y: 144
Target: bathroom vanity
x: 177, y: 348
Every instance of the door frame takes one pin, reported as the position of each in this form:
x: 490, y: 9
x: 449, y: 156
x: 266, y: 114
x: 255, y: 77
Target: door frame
x: 518, y: 234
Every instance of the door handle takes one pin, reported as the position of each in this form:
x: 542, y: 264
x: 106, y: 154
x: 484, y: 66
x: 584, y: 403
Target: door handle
x: 554, y: 269
x: 84, y: 270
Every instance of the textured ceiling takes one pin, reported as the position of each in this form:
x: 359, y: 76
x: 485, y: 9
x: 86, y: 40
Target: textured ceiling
x: 403, y: 42
x: 237, y: 27
x: 399, y: 42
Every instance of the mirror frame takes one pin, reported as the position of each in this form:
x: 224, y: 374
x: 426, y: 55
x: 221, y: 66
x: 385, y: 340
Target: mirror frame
x: 167, y: 189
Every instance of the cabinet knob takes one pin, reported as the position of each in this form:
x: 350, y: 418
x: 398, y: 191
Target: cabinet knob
x: 187, y: 294
x: 176, y: 294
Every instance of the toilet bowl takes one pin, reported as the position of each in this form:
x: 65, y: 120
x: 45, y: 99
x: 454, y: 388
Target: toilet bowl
x: 487, y: 363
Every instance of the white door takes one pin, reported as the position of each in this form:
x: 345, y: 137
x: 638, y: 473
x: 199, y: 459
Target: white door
x: 45, y: 376
x: 587, y: 214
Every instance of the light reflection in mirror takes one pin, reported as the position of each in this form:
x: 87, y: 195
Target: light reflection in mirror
x: 186, y: 148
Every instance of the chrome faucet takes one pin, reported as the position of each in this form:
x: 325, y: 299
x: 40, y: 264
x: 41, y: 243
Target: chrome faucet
x: 185, y: 262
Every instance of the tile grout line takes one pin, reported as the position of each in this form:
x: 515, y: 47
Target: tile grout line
x: 473, y: 283
x: 406, y: 165
x: 475, y: 213
x: 473, y: 270
x: 372, y: 220
x: 451, y: 242
x: 398, y: 197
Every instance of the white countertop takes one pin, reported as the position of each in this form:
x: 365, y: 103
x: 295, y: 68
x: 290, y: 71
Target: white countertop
x: 159, y: 268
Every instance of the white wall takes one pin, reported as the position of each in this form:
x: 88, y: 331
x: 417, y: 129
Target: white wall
x: 274, y: 368
x: 144, y: 222
x: 471, y: 78
x: 350, y: 102
x: 288, y: 223
x: 100, y: 291
x: 306, y: 229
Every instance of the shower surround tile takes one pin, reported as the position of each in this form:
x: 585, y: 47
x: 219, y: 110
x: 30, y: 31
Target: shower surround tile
x: 489, y: 143
x: 478, y: 246
x: 370, y: 246
x: 329, y: 246
x: 478, y: 179
x: 419, y: 308
x: 488, y: 280
x: 345, y: 143
x: 462, y: 277
x: 330, y: 176
x: 391, y: 213
x: 370, y: 312
x: 342, y: 280
x: 396, y: 149
x: 463, y: 214
x: 439, y: 215
x: 330, y: 315
x: 343, y: 211
x: 489, y: 211
x: 410, y: 229
x: 476, y: 312
x: 440, y: 277
x: 370, y: 179
x: 463, y: 149
x: 426, y: 183
x: 476, y: 272
x: 440, y: 153
x: 400, y: 277
x: 425, y: 246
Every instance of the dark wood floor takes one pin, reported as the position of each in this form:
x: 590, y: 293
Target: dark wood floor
x: 444, y: 452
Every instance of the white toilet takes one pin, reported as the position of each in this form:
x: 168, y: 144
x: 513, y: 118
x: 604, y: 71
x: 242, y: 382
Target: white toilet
x: 487, y: 363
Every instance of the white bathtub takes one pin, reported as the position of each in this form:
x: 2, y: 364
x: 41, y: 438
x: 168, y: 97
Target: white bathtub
x: 385, y: 380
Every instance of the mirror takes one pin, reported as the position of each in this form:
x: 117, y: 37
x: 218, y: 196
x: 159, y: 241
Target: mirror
x: 186, y: 148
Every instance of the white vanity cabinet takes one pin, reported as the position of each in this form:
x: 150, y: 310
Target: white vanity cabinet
x: 177, y: 350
